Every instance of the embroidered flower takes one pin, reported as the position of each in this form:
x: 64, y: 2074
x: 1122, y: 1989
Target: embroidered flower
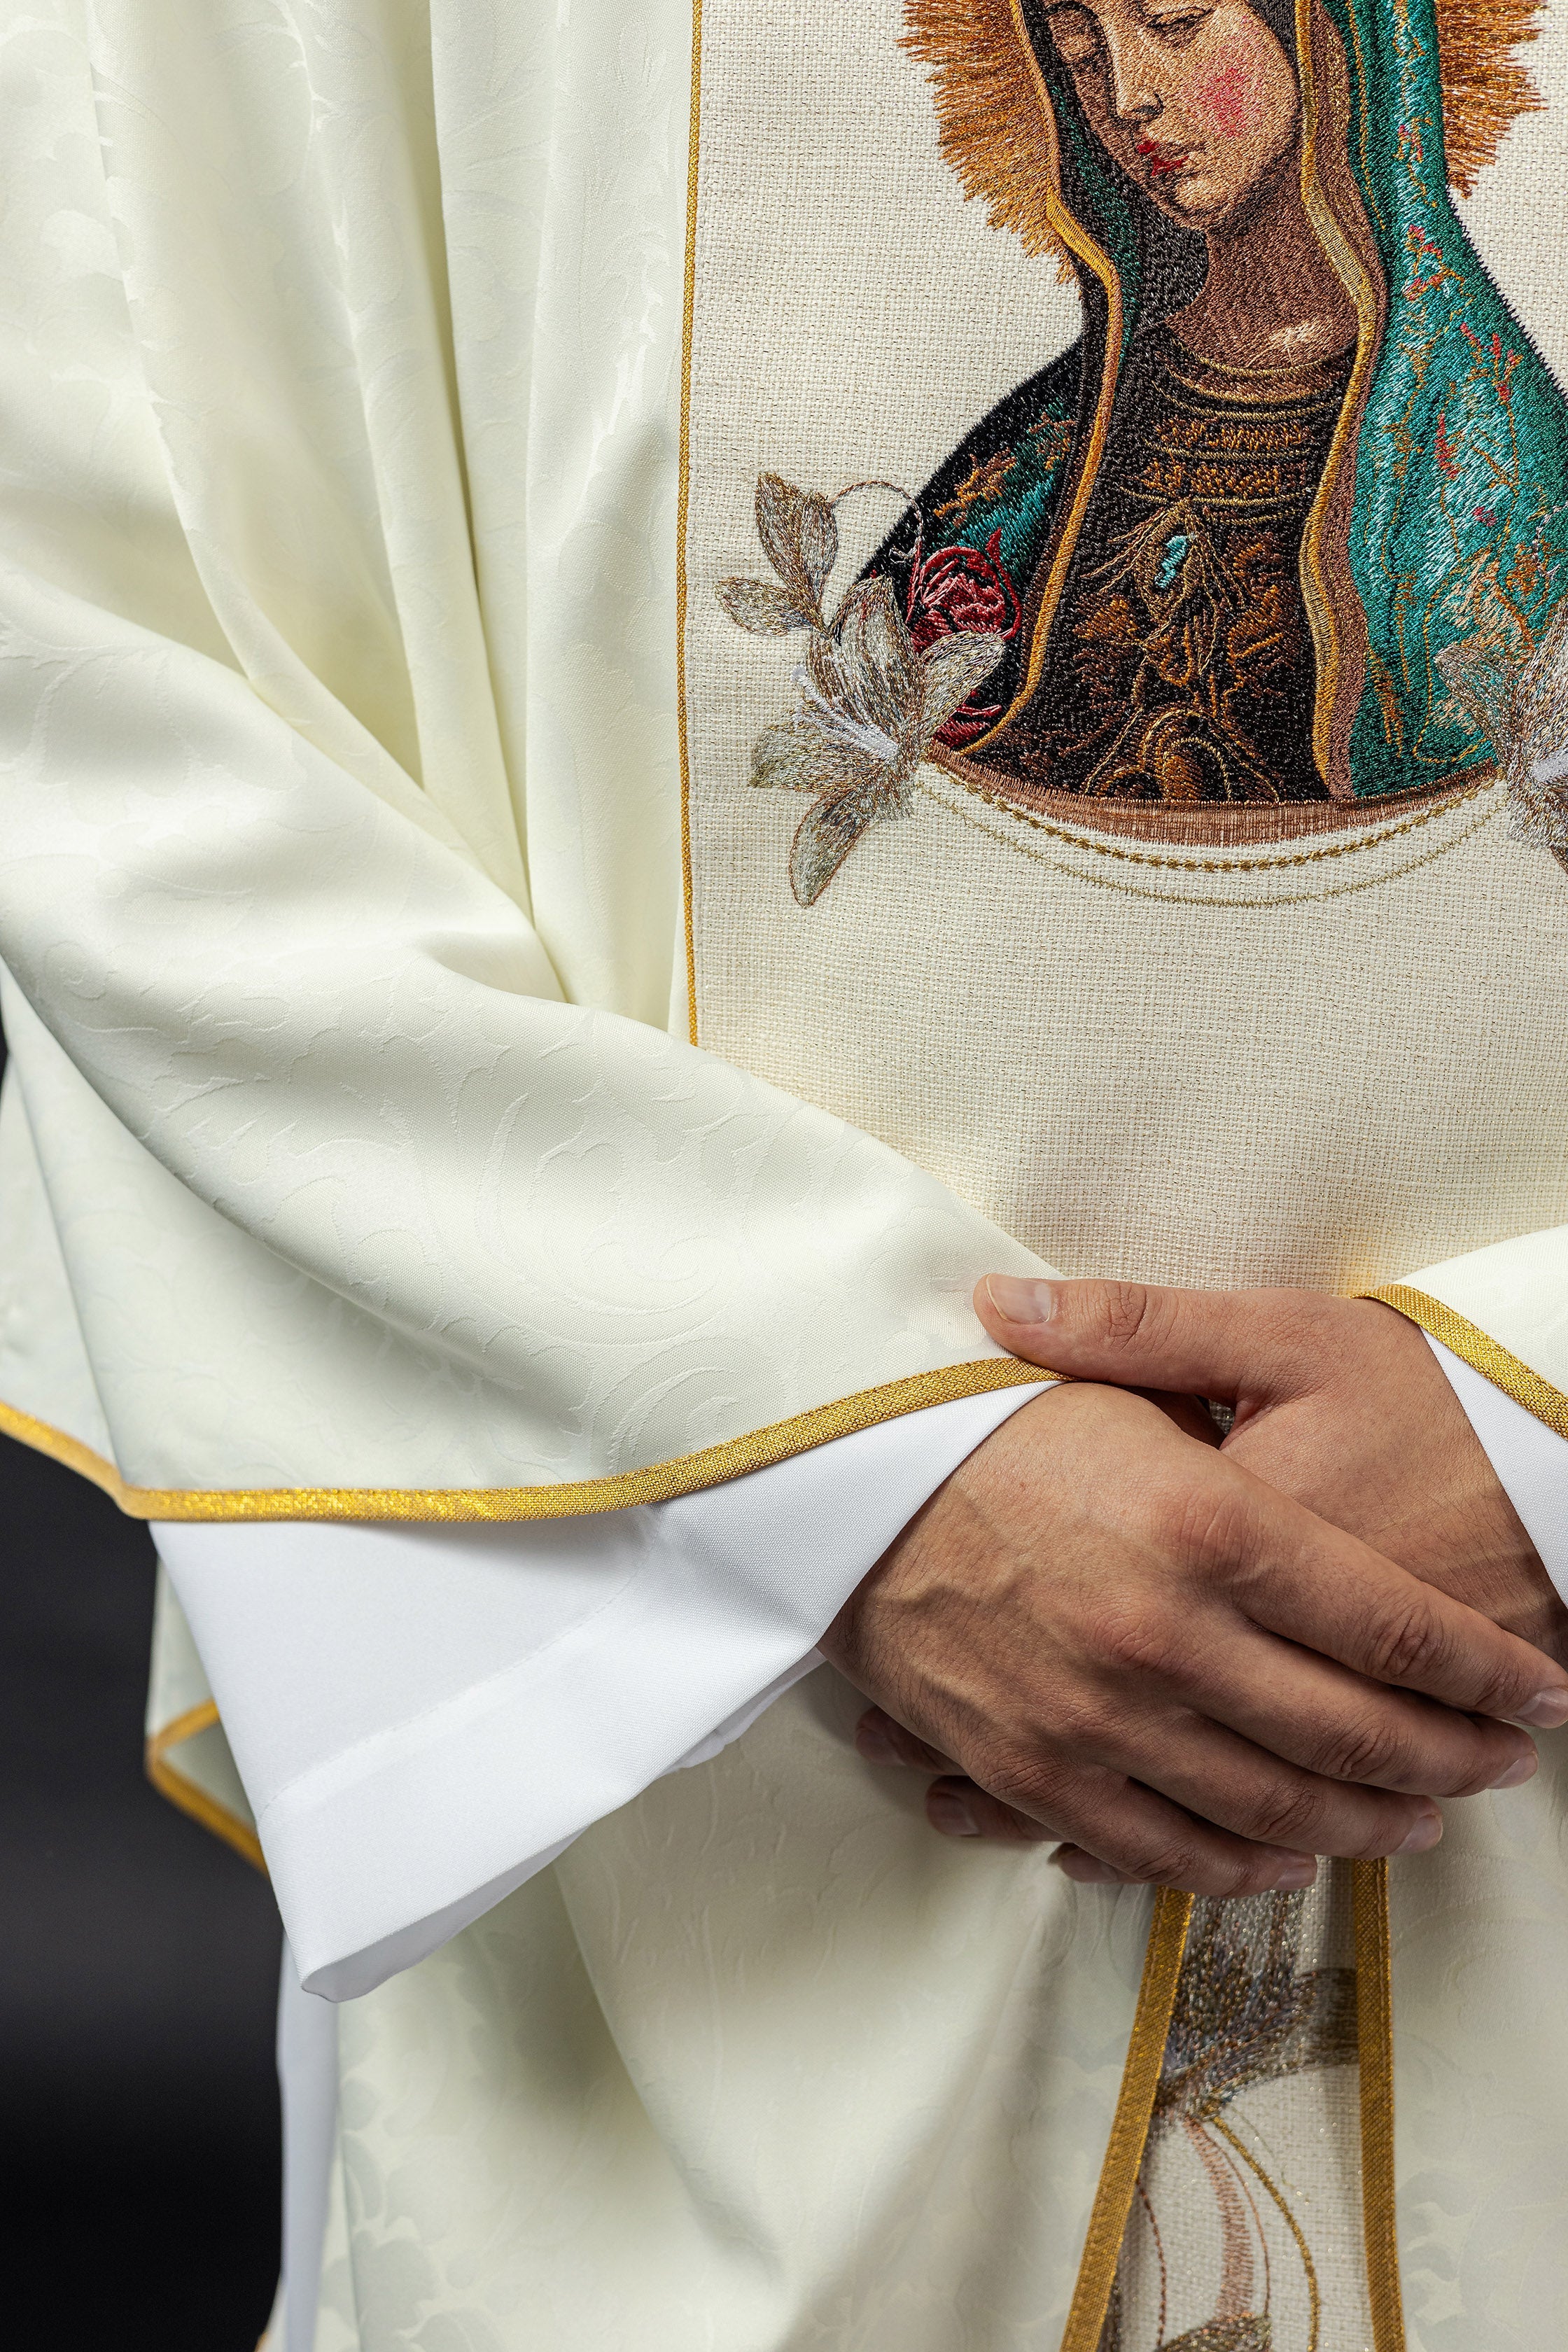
x: 958, y: 591
x: 1522, y: 707
x: 871, y: 698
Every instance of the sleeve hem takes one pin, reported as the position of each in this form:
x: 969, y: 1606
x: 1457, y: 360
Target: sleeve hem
x: 1480, y: 1350
x: 660, y: 1482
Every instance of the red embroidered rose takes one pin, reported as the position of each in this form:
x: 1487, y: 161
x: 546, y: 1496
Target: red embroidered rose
x: 957, y: 591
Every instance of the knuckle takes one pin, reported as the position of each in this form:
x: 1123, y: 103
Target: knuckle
x: 1287, y: 1814
x: 1128, y: 1640
x: 1127, y: 1311
x: 1498, y: 1693
x: 1023, y: 1779
x: 1168, y: 1862
x: 1366, y: 1750
x: 1408, y: 1643
x: 1209, y: 1526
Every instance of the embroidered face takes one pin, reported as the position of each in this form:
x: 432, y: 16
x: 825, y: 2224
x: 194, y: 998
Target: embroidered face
x: 1198, y: 105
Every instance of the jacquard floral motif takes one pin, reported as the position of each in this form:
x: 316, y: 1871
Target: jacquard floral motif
x: 872, y: 698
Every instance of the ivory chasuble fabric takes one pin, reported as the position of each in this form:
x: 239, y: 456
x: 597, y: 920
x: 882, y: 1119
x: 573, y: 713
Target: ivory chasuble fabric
x: 654, y: 711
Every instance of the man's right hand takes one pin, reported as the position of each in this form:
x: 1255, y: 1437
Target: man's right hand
x: 1101, y: 1630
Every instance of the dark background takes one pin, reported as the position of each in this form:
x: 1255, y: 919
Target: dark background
x: 139, y: 2155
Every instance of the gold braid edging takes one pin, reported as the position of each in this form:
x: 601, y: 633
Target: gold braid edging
x: 683, y: 513
x: 1480, y: 1350
x: 171, y: 1782
x: 1375, y: 2043
x: 1129, y: 2130
x: 661, y: 1482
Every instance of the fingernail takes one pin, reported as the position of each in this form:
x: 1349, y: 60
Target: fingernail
x: 1523, y: 1769
x: 1302, y: 1872
x: 1426, y: 1834
x: 1085, y: 1869
x: 874, y: 1744
x: 951, y: 1815
x: 1546, y: 1710
x: 1018, y: 1301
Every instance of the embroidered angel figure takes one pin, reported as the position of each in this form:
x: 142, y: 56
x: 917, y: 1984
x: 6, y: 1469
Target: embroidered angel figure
x: 871, y: 698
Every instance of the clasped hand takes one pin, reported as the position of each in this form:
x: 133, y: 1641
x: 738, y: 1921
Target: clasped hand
x: 1206, y: 1664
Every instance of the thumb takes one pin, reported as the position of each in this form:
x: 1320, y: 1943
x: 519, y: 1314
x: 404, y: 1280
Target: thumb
x: 1210, y: 1343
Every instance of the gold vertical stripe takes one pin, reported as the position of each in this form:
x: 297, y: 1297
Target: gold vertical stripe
x: 1078, y: 241
x: 1351, y: 274
x: 1129, y: 2130
x: 1480, y: 1350
x: 682, y: 511
x: 171, y: 1782
x: 1375, y: 2040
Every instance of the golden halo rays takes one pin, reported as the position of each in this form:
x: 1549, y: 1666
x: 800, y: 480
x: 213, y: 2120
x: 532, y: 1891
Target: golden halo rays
x: 988, y: 103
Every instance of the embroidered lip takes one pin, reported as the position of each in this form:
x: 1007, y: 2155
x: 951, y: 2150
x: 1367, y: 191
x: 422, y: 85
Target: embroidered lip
x: 1162, y: 163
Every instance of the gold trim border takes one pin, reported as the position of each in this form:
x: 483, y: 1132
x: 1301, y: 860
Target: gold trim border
x: 1480, y: 1350
x: 1129, y: 2130
x: 1076, y: 240
x: 683, y: 512
x: 1352, y: 273
x: 1377, y: 830
x: 171, y: 1782
x: 661, y: 1482
x: 1374, y: 2046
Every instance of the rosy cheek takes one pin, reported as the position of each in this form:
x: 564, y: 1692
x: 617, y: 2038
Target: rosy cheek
x: 1230, y: 100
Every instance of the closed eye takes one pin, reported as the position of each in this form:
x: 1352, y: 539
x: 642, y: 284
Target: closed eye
x: 1181, y: 25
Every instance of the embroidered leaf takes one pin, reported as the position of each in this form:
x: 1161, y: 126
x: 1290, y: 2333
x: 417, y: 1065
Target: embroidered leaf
x: 797, y: 531
x: 1482, y: 684
x: 818, y: 539
x: 826, y: 834
x: 1523, y: 708
x: 868, y: 668
x: 954, y: 667
x: 759, y: 606
x: 806, y: 756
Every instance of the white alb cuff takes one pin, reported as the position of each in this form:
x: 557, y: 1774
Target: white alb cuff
x: 423, y: 1716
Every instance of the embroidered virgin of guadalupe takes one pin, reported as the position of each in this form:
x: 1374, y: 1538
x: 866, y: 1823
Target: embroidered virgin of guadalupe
x: 1277, y: 536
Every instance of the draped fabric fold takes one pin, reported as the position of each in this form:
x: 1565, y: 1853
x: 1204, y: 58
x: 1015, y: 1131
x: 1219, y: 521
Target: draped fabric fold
x: 340, y: 794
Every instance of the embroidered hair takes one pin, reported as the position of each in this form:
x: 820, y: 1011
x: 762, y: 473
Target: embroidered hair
x: 991, y: 110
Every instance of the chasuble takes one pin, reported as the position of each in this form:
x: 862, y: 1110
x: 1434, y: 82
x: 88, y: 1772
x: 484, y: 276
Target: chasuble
x: 657, y: 705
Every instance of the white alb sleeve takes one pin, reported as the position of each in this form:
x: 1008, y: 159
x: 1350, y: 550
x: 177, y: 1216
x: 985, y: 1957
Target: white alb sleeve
x: 1531, y: 1460
x: 423, y: 1716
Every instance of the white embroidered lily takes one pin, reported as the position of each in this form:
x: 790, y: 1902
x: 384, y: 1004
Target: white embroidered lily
x: 870, y: 701
x: 1523, y: 710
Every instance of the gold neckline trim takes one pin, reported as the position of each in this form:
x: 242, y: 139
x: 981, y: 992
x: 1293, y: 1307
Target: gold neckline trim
x: 1369, y: 839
